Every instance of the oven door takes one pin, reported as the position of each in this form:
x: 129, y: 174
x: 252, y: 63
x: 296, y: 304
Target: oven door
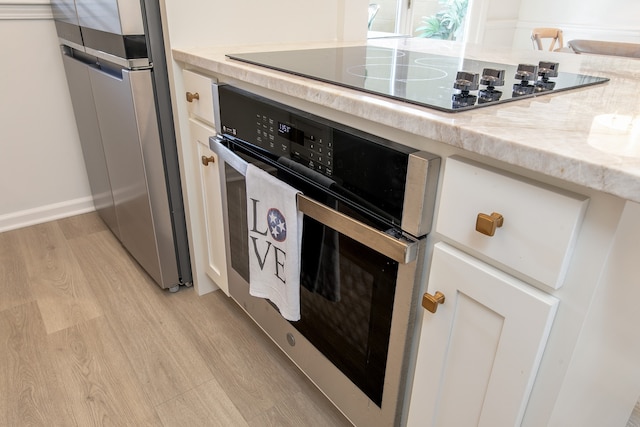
x: 358, y: 290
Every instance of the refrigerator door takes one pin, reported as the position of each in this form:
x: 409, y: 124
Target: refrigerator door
x: 67, y: 24
x: 123, y: 112
x: 122, y: 17
x: 125, y: 107
x: 114, y: 30
x: 64, y: 10
x: 84, y: 110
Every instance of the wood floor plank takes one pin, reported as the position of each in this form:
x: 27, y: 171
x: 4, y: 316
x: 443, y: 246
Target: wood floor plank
x: 193, y: 360
x: 248, y: 365
x: 29, y: 392
x: 205, y: 405
x: 55, y: 278
x: 297, y: 411
x: 13, y: 272
x: 100, y: 385
x: 165, y: 361
x: 81, y: 225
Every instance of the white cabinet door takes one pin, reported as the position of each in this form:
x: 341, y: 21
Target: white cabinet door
x: 479, y: 353
x: 209, y: 243
x: 216, y: 266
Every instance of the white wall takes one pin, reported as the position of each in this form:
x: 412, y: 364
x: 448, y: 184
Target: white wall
x: 613, y: 20
x: 508, y: 23
x: 189, y: 23
x: 42, y: 174
x: 221, y: 22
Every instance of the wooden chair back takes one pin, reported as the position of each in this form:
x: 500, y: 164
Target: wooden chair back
x: 554, y: 34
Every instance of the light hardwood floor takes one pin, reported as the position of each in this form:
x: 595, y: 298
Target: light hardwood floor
x: 87, y: 339
x: 634, y: 420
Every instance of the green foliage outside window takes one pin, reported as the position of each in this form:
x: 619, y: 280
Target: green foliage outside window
x: 445, y: 24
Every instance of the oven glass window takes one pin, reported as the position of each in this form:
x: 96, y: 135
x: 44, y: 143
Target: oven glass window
x: 347, y: 292
x: 346, y: 302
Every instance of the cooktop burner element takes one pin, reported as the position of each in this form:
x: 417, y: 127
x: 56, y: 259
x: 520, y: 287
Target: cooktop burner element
x: 434, y: 81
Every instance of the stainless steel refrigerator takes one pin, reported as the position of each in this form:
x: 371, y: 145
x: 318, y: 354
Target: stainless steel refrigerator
x: 114, y: 59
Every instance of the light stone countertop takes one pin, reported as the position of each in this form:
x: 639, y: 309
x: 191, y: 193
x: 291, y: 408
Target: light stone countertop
x: 588, y: 136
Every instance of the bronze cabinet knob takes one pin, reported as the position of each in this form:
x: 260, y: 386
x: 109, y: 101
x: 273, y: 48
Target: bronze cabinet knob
x: 206, y: 160
x: 192, y: 96
x: 487, y: 224
x: 430, y: 302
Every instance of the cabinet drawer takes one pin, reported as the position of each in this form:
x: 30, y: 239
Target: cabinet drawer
x: 200, y: 102
x: 540, y: 223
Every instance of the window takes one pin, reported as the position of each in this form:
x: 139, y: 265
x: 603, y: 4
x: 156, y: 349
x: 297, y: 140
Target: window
x: 440, y: 19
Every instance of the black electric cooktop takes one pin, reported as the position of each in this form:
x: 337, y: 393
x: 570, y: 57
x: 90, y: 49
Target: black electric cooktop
x: 442, y: 82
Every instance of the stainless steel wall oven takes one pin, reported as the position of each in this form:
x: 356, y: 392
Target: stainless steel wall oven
x: 368, y: 205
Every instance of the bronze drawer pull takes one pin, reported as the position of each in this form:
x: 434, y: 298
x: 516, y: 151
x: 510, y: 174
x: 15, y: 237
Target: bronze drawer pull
x: 487, y: 224
x: 431, y: 302
x: 192, y: 96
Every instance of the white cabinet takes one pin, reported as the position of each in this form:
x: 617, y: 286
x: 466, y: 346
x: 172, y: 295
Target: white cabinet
x: 505, y: 241
x: 602, y: 383
x: 203, y: 187
x: 206, y: 162
x: 478, y: 354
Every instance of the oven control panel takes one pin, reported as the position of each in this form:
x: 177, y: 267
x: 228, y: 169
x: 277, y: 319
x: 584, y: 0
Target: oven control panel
x: 278, y: 131
x: 355, y: 164
x: 306, y: 143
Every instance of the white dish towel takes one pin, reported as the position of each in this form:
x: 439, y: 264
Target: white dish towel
x: 275, y: 237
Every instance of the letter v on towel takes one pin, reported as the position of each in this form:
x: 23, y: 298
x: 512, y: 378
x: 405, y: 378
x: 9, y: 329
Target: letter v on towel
x: 275, y: 237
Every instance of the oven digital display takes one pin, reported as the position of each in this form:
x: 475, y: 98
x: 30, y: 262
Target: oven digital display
x: 289, y: 132
x: 284, y: 129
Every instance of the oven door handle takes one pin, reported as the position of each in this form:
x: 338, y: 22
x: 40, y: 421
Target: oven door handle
x: 398, y: 250
x: 401, y: 251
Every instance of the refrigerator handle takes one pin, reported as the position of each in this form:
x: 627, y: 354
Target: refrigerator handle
x: 132, y: 64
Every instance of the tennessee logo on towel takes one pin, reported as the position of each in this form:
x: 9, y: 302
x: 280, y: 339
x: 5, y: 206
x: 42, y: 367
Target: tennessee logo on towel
x: 277, y: 225
x: 265, y: 237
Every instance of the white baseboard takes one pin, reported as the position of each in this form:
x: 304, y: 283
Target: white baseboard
x: 25, y: 11
x: 41, y: 214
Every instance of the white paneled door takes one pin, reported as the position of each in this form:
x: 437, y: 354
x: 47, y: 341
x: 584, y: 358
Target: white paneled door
x: 479, y: 353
